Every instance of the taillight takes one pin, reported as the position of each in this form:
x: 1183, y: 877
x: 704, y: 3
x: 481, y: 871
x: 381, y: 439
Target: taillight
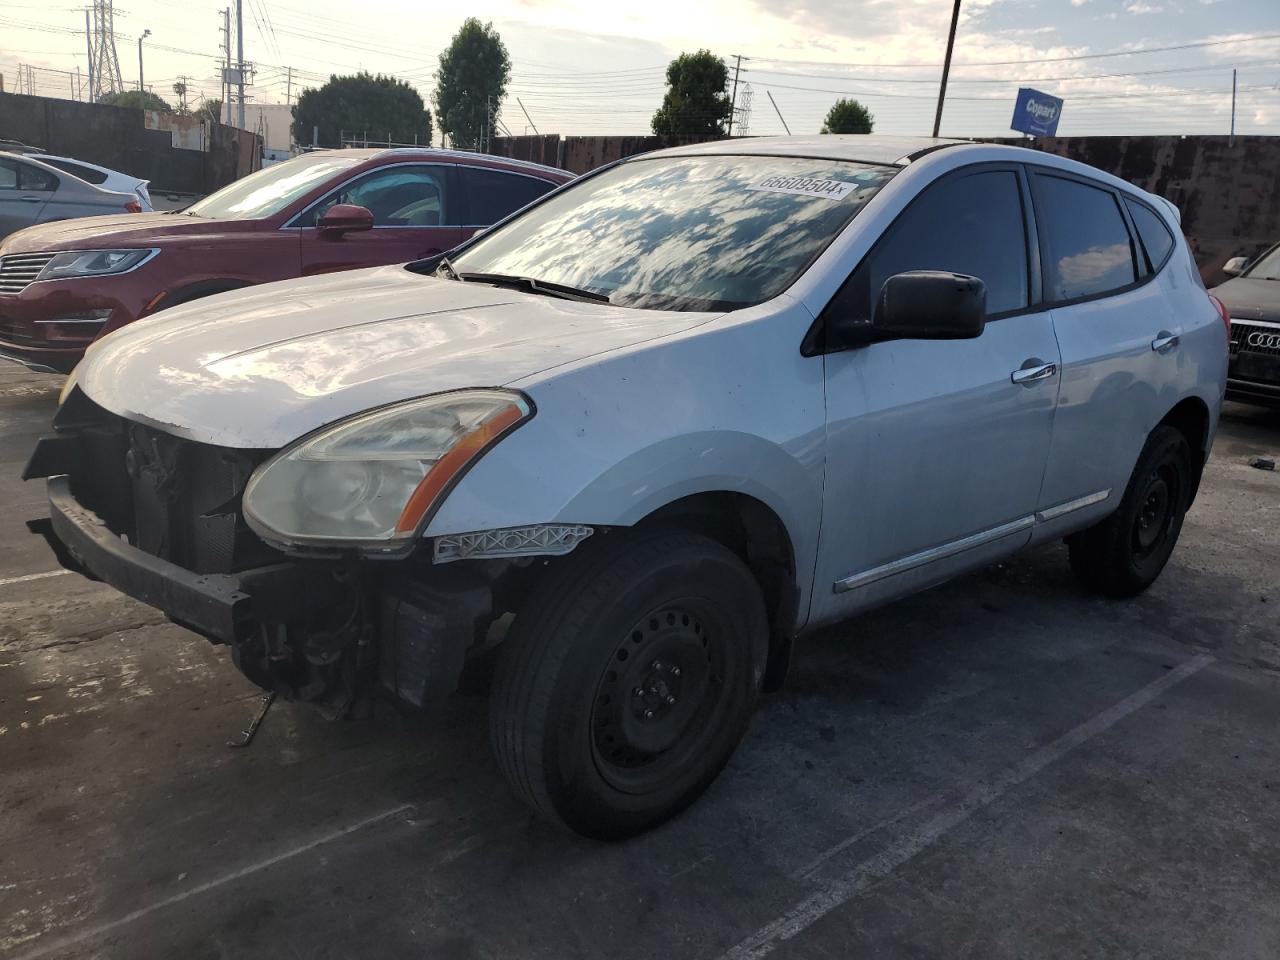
x: 132, y: 206
x: 1222, y: 312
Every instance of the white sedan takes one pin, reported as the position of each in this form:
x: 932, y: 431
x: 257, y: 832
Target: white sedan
x: 102, y: 177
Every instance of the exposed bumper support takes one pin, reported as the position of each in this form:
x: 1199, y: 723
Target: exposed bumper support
x: 222, y: 607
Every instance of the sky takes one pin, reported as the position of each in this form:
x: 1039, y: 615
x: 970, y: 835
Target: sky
x: 582, y: 67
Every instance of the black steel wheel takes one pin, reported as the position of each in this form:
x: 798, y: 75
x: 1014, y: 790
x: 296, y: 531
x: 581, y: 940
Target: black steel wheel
x: 628, y: 679
x: 1122, y: 555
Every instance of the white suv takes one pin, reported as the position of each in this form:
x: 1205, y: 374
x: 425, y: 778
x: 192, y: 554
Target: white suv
x: 671, y: 417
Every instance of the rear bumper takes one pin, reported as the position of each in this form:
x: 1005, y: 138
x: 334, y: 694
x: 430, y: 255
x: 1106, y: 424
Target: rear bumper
x: 226, y: 608
x: 1251, y: 391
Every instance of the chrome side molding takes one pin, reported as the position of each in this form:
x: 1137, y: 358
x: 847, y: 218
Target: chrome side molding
x: 951, y: 549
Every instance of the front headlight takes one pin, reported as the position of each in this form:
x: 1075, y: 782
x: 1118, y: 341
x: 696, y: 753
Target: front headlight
x: 92, y: 263
x: 372, y: 480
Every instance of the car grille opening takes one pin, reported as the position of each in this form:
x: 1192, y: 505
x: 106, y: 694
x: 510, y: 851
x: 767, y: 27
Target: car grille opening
x: 19, y: 270
x: 19, y: 333
x: 1253, y: 338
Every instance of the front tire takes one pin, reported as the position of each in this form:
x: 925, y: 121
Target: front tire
x: 628, y: 679
x: 1122, y: 555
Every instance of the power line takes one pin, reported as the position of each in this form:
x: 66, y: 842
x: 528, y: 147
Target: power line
x: 1014, y: 63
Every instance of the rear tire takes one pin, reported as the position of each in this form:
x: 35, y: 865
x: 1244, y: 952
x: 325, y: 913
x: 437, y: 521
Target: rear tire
x: 628, y: 679
x: 1122, y: 555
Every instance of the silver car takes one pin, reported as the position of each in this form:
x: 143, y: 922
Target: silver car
x: 34, y: 192
x: 672, y: 416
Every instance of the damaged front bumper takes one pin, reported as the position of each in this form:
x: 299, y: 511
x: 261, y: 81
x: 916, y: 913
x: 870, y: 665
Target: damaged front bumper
x: 227, y: 608
x: 158, y: 518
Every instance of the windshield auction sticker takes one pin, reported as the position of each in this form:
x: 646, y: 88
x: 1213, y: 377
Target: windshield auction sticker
x: 805, y: 187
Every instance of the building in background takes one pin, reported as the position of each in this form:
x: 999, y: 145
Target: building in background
x: 271, y: 121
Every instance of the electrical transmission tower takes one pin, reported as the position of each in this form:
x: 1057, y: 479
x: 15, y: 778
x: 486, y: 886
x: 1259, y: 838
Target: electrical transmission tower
x: 742, y: 122
x: 104, y: 70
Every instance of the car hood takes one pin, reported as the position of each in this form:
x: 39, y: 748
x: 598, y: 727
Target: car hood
x: 1249, y: 299
x: 259, y: 368
x: 115, y: 231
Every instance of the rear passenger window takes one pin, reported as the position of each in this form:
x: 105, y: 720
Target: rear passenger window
x: 969, y: 224
x: 33, y: 178
x: 87, y: 174
x: 1088, y: 250
x: 1155, y: 236
x: 493, y: 194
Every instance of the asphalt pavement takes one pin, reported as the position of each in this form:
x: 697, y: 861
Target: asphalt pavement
x: 1004, y: 766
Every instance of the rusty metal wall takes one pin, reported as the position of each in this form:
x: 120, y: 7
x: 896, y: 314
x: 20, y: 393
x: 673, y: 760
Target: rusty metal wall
x: 1229, y: 194
x: 580, y: 154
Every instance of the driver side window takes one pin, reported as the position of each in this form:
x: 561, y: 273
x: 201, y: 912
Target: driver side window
x: 396, y: 196
x: 971, y: 224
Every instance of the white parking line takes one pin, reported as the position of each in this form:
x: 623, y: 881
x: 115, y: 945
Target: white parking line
x: 5, y: 581
x: 838, y: 892
x: 61, y: 943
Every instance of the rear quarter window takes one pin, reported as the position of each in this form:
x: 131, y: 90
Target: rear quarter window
x: 1156, y: 239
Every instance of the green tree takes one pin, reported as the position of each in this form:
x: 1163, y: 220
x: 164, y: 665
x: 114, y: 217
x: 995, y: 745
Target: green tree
x: 137, y: 99
x: 695, y: 102
x: 848, y: 116
x: 210, y: 110
x: 471, y: 82
x: 358, y: 105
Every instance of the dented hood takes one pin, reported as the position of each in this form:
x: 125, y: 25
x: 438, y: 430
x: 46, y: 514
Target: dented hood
x: 258, y: 368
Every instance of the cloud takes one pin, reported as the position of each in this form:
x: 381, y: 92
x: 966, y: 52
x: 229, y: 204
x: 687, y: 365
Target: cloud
x: 1139, y: 7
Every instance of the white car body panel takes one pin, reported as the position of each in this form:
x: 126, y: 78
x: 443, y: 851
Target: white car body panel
x: 639, y: 408
x: 115, y: 180
x: 263, y: 366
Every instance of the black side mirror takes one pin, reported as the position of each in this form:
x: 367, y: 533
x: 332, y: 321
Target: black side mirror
x: 931, y: 305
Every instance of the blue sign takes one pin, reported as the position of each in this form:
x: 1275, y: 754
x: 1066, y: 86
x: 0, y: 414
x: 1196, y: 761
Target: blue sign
x: 1036, y: 113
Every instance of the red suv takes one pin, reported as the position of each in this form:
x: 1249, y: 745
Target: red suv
x: 64, y: 284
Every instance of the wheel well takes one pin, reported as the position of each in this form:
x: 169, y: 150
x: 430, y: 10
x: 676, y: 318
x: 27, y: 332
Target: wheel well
x: 194, y: 291
x: 755, y: 533
x: 1191, y: 417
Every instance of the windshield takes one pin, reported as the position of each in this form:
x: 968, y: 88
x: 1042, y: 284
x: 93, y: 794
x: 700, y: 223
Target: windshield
x: 683, y: 233
x: 1268, y: 268
x: 271, y: 189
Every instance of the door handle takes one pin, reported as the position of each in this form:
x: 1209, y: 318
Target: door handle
x: 1032, y: 371
x: 32, y: 199
x: 1164, y: 341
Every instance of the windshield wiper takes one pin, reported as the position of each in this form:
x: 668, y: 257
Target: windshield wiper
x: 532, y: 285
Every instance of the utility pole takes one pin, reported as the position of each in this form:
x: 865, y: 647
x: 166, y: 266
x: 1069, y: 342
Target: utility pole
x: 88, y: 43
x: 946, y: 68
x: 226, y: 66
x: 240, y: 60
x: 145, y: 34
x: 288, y: 86
x: 733, y: 103
x: 778, y: 112
x: 527, y: 117
x: 1231, y: 142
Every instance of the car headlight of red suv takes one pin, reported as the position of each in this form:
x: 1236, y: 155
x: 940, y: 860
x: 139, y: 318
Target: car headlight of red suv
x: 94, y: 263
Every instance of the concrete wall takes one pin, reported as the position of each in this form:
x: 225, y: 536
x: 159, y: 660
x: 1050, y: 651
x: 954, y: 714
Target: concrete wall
x: 122, y: 139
